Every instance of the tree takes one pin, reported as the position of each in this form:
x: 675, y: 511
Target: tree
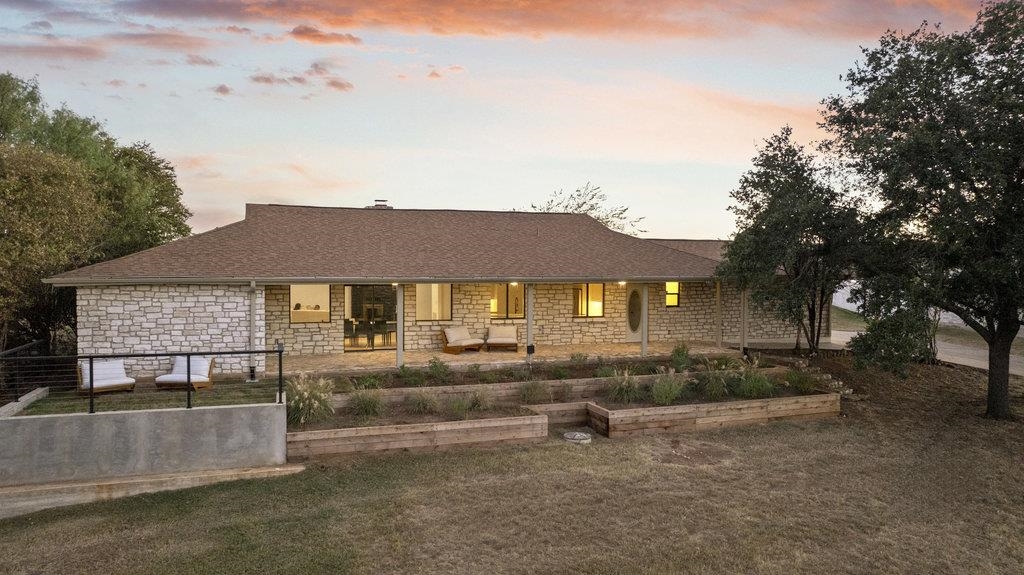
x: 795, y: 236
x: 590, y: 200
x: 932, y: 125
x: 49, y: 217
x: 136, y: 190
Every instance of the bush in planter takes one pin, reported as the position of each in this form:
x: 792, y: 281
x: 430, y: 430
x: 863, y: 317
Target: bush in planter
x: 713, y: 386
x: 422, y: 403
x: 801, y: 382
x: 578, y: 358
x: 366, y: 404
x: 439, y: 371
x: 458, y: 407
x: 755, y: 385
x: 480, y: 401
x: 559, y: 372
x: 681, y: 359
x: 644, y: 368
x: 410, y: 376
x: 719, y: 363
x: 666, y: 390
x: 309, y: 400
x: 534, y: 392
x: 369, y: 381
x: 626, y: 388
x: 604, y: 371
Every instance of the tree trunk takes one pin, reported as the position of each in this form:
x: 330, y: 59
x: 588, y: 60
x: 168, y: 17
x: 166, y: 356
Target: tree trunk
x: 998, y: 404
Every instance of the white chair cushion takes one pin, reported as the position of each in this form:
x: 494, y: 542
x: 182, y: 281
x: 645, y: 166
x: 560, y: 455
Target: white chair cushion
x: 502, y: 340
x: 200, y: 367
x: 454, y: 334
x: 501, y: 332
x: 105, y: 371
x: 467, y: 341
x: 180, y: 378
x: 100, y: 384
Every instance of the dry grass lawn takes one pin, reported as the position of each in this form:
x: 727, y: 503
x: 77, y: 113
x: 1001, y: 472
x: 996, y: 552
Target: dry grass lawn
x: 909, y: 480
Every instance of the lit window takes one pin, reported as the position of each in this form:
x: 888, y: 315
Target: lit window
x: 589, y: 300
x: 671, y: 294
x: 310, y: 303
x: 508, y: 301
x: 433, y: 302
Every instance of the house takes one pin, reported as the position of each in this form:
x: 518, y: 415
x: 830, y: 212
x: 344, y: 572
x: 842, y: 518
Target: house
x: 323, y: 280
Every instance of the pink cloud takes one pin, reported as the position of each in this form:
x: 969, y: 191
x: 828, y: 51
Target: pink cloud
x: 339, y: 84
x: 434, y: 75
x: 268, y: 79
x: 222, y: 89
x: 159, y: 40
x: 54, y: 51
x: 117, y: 83
x: 316, y: 36
x: 197, y: 60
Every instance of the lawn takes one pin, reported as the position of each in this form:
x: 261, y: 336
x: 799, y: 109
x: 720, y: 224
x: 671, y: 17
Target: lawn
x: 910, y: 480
x: 145, y: 396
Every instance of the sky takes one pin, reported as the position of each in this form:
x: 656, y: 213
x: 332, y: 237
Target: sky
x: 454, y: 103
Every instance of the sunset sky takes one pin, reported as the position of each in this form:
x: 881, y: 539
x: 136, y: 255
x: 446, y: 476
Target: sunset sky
x: 453, y: 103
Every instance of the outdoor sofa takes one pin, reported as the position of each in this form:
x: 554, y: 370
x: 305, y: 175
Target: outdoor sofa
x: 107, y: 375
x: 202, y: 374
x: 457, y: 340
x: 502, y: 337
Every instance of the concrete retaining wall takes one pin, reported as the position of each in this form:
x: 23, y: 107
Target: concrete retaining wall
x: 51, y: 448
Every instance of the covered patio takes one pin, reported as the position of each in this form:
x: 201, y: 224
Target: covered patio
x: 385, y: 359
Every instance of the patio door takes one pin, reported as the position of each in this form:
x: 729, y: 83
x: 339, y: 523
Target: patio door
x: 370, y: 317
x: 634, y: 311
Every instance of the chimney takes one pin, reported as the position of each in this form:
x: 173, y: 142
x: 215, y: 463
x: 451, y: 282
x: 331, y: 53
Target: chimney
x: 380, y: 205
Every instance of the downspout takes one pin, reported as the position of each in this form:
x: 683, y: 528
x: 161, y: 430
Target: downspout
x: 252, y: 330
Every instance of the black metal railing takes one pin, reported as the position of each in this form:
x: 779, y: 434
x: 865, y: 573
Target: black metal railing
x: 73, y: 376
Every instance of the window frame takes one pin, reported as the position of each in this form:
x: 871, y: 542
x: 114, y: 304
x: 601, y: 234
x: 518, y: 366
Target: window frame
x: 507, y: 315
x: 677, y: 293
x: 586, y: 298
x: 451, y: 303
x: 291, y: 320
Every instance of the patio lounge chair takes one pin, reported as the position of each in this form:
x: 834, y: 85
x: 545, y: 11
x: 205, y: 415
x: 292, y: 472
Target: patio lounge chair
x: 457, y: 339
x: 108, y: 375
x: 202, y: 374
x: 502, y: 337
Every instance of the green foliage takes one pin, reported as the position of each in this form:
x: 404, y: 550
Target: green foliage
x: 411, y: 377
x: 369, y: 381
x: 681, y: 359
x: 439, y: 371
x: 309, y: 399
x: 712, y: 386
x: 522, y: 374
x: 893, y: 342
x: 366, y: 404
x: 719, y: 363
x: 796, y: 236
x: 559, y: 372
x: 644, y: 368
x: 480, y: 401
x: 422, y: 403
x: 495, y: 376
x: 458, y: 407
x: 625, y: 388
x: 801, y: 382
x: 666, y: 390
x: 755, y: 385
x: 604, y: 371
x: 532, y: 392
x: 578, y: 358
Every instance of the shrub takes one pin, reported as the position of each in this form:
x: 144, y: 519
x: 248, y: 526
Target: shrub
x: 644, y: 368
x: 458, y: 407
x: 626, y: 388
x: 439, y: 371
x: 559, y: 372
x: 369, y: 381
x: 480, y: 401
x: 895, y: 341
x: 422, y: 403
x: 366, y: 404
x: 801, y: 382
x: 493, y: 376
x: 755, y: 385
x: 604, y: 371
x: 578, y: 358
x: 410, y: 376
x: 309, y: 400
x: 719, y: 363
x: 666, y: 390
x: 534, y: 392
x: 522, y: 374
x: 681, y: 359
x: 713, y: 386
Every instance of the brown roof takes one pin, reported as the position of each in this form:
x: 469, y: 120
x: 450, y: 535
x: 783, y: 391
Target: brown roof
x: 279, y: 243
x: 711, y: 249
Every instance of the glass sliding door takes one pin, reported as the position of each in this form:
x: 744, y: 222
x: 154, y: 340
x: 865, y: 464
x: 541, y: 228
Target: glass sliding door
x: 370, y: 317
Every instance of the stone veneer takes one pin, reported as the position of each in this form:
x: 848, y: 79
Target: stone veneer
x: 305, y: 338
x: 169, y: 318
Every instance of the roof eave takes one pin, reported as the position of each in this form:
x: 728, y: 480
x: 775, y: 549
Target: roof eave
x: 85, y: 282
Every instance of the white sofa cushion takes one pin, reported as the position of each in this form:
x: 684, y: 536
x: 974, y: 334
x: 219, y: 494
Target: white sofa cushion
x: 200, y: 367
x: 502, y: 332
x: 502, y: 340
x: 106, y: 373
x: 180, y: 378
x: 468, y: 341
x: 455, y: 334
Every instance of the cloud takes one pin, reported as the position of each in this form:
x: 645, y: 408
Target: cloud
x: 117, y: 83
x: 222, y: 90
x: 237, y: 29
x: 268, y: 79
x: 197, y: 60
x: 39, y: 25
x: 606, y: 18
x: 339, y: 84
x: 434, y: 75
x: 322, y: 67
x: 314, y: 35
x: 456, y: 68
x: 159, y: 40
x: 54, y: 51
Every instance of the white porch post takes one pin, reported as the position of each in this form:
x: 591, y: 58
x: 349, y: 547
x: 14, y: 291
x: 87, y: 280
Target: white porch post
x: 252, y: 331
x: 643, y: 319
x: 400, y: 325
x: 529, y: 315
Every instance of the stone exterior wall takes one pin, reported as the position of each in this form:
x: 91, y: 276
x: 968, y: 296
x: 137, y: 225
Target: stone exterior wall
x: 169, y: 318
x: 554, y: 323
x: 471, y: 307
x: 305, y: 338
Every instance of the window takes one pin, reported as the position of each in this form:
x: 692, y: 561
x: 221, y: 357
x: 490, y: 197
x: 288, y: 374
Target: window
x: 310, y: 303
x: 672, y: 294
x: 589, y: 300
x: 433, y: 302
x: 508, y: 301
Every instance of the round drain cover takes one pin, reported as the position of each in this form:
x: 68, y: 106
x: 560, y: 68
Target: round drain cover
x: 577, y: 437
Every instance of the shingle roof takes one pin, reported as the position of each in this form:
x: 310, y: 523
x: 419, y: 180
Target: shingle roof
x: 711, y: 249
x: 357, y: 245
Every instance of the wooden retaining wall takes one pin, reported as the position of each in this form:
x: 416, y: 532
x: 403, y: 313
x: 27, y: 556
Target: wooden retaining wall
x: 701, y: 416
x: 573, y: 413
x: 417, y: 436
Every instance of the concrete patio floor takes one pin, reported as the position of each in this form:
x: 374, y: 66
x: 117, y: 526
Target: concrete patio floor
x: 356, y: 361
